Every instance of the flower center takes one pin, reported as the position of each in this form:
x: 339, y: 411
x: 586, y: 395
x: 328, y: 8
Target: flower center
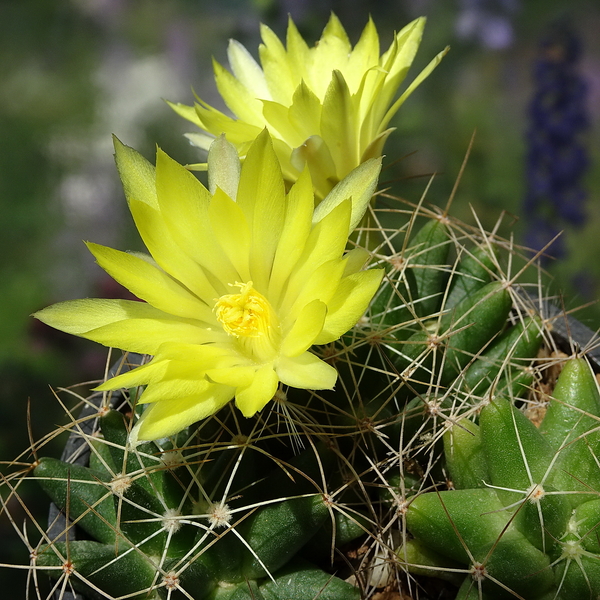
x: 247, y: 314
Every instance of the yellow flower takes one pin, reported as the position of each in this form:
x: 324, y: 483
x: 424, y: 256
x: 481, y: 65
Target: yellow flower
x: 242, y: 280
x: 328, y: 106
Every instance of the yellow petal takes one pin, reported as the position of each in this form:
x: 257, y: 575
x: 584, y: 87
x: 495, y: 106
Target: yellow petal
x: 169, y: 255
x: 273, y: 57
x: 339, y: 125
x: 411, y: 88
x: 223, y: 167
x: 231, y: 230
x: 187, y: 112
x: 239, y: 376
x: 321, y: 285
x: 355, y: 260
x: 299, y: 55
x: 151, y: 372
x: 364, y: 56
x: 238, y: 98
x: 375, y: 146
x: 314, y: 154
x: 305, y: 113
x: 305, y: 330
x: 237, y: 131
x: 328, y: 237
x: 78, y: 317
x: 136, y: 173
x: 151, y: 284
x: 261, y: 196
x: 294, y: 234
x: 168, y: 417
x: 359, y: 185
x: 401, y: 55
x: 247, y: 71
x: 280, y: 124
x: 171, y: 388
x: 184, y: 203
x: 252, y: 398
x: 147, y: 335
x: 349, y: 303
x: 331, y: 53
x: 132, y: 326
x: 306, y: 372
x: 200, y: 140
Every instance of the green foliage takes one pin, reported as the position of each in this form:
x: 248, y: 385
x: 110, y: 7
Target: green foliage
x: 525, y: 512
x: 340, y: 494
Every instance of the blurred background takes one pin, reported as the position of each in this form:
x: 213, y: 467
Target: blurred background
x: 524, y: 73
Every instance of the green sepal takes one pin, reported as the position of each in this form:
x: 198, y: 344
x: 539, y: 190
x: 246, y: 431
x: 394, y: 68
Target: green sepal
x: 519, y: 343
x: 300, y: 581
x: 82, y: 494
x: 450, y: 522
x: 518, y: 457
x: 419, y: 559
x: 474, y: 270
x: 465, y: 457
x: 277, y: 531
x: 569, y: 424
x: 119, y: 571
x: 428, y: 256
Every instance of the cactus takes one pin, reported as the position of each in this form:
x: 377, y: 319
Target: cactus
x: 254, y: 508
x: 419, y: 465
x: 524, y: 514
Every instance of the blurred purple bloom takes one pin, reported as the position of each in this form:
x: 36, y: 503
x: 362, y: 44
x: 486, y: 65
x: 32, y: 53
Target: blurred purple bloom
x: 556, y: 156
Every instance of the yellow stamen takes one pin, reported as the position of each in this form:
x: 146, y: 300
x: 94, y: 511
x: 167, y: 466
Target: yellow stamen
x: 247, y: 314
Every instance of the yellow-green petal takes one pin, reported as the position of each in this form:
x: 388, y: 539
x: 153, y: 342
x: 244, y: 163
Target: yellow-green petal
x: 224, y: 167
x: 359, y: 185
x: 305, y: 330
x: 78, y: 317
x: 294, y: 234
x: 137, y: 174
x: 247, y: 71
x: 349, y: 303
x: 231, y: 230
x: 273, y: 57
x: 152, y: 284
x: 306, y: 372
x: 237, y: 97
x: 261, y: 196
x: 252, y: 398
x: 168, y: 417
